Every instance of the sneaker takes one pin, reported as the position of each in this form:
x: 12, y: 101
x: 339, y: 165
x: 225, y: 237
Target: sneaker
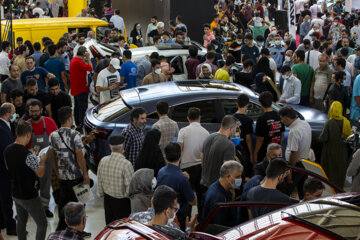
x: 85, y: 234
x: 48, y: 213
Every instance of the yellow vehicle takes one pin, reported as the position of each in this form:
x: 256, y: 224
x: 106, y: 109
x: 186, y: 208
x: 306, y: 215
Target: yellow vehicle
x: 36, y: 28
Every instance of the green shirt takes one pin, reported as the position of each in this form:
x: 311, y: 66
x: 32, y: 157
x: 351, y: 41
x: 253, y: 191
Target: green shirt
x: 305, y: 73
x: 258, y: 31
x: 351, y: 51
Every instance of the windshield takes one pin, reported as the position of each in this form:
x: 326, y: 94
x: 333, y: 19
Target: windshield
x: 110, y: 110
x: 344, y: 221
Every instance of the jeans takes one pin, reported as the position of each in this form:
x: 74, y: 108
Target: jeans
x: 45, y: 183
x: 35, y: 209
x: 81, y: 105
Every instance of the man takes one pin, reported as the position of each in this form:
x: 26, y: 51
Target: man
x: 305, y: 27
x: 83, y: 13
x: 42, y: 127
x: 68, y: 161
x: 38, y: 10
x: 152, y: 26
x: 102, y: 64
x: 245, y: 77
x: 157, y: 32
x: 166, y: 36
x: 32, y: 91
x: 277, y: 51
x: 45, y: 56
x: 345, y: 44
x: 272, y: 64
x: 266, y: 192
x: 235, y: 47
x: 58, y: 99
x: 24, y: 170
x: 340, y: 64
x: 335, y: 30
x: 81, y: 41
x: 258, y: 30
x: 192, y: 62
x: 210, y: 58
x: 355, y: 32
x: 318, y: 20
x: 55, y: 66
x: 313, y: 189
x: 298, y: 145
x: 273, y: 151
x: 217, y: 148
x: 336, y: 91
x: 144, y: 67
x: 39, y: 73
x: 287, y: 59
x: 305, y: 46
x: 37, y: 53
x: 75, y: 218
x: 292, y: 87
x: 20, y: 59
x: 222, y: 74
x: 108, y: 81
x: 191, y: 139
x: 304, y: 73
x: 78, y: 84
x: 4, y: 60
x: 7, y: 112
x: 212, y: 48
x: 16, y: 98
x: 134, y: 134
x: 168, y: 128
x: 122, y: 45
x: 118, y: 21
x: 355, y: 102
x: 156, y: 76
x: 128, y: 72
x: 172, y: 176
x: 179, y: 22
x: 268, y: 127
x: 322, y: 79
x: 249, y: 48
x: 11, y: 83
x: 312, y: 56
x: 223, y: 191
x: 114, y: 175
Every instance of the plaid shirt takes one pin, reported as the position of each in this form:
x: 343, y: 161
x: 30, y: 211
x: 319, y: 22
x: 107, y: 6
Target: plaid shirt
x: 67, y: 234
x: 114, y: 175
x: 133, y: 142
x: 169, y: 130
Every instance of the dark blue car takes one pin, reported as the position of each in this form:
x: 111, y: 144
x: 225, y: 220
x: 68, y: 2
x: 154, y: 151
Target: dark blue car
x: 214, y: 98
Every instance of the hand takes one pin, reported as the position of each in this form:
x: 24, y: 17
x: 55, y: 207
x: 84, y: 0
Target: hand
x: 186, y: 175
x: 114, y: 85
x: 86, y: 179
x: 282, y: 101
x: 191, y: 224
x: 50, y: 75
x: 123, y: 85
x: 43, y: 158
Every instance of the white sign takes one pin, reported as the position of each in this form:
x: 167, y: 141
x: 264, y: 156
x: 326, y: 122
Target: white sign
x: 292, y: 18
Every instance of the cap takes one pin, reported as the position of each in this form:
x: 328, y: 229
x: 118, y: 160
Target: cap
x: 116, y: 140
x: 115, y: 63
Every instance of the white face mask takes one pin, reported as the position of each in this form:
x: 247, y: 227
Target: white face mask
x: 158, y: 70
x: 171, y: 220
x: 287, y: 59
x: 153, y: 183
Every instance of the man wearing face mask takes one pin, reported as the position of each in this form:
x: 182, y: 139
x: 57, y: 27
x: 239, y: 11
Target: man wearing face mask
x: 305, y: 27
x: 276, y: 173
x: 292, y: 87
x: 156, y: 75
x: 134, y: 134
x: 114, y: 176
x: 277, y: 51
x: 223, y: 191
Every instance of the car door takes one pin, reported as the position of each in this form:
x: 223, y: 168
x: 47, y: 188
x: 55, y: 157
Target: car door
x: 178, y: 63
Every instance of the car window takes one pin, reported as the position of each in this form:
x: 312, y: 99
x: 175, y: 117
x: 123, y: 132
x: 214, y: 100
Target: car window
x: 84, y: 30
x: 178, y: 65
x: 153, y: 116
x: 111, y: 110
x: 254, y: 111
x: 207, y: 109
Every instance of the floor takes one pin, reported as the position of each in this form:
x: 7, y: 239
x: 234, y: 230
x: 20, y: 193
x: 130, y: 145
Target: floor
x: 94, y: 211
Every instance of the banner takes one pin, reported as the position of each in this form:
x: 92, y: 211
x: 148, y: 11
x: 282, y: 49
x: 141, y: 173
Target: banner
x: 292, y: 18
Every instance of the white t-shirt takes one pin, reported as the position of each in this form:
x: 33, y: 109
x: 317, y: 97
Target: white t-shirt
x: 105, y: 79
x: 314, y: 58
x: 318, y: 21
x: 351, y: 59
x: 39, y: 11
x: 314, y: 9
x: 257, y: 21
x: 299, y: 6
x: 193, y: 137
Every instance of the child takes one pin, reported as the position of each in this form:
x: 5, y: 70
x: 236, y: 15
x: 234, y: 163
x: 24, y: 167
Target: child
x: 257, y: 19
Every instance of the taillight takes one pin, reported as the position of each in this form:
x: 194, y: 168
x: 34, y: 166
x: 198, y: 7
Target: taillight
x: 95, y: 52
x: 102, y: 133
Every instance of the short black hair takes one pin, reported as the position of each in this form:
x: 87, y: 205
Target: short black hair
x: 136, y: 112
x: 341, y: 62
x: 156, y: 38
x: 80, y: 35
x: 64, y: 113
x: 248, y: 63
x: 162, y: 107
x: 4, y: 45
x: 275, y: 168
x: 248, y: 36
x: 52, y: 49
x: 306, y: 42
x: 316, y: 44
x: 117, y: 11
x: 19, y: 39
x: 31, y: 82
x: 288, y: 112
x: 179, y: 18
x: 37, y: 46
x: 210, y: 55
x: 61, y: 44
x: 22, y: 49
x: 29, y: 57
x: 154, y: 55
x: 166, y: 33
x: 285, y: 69
x: 206, y: 25
x: 210, y: 47
x: 115, y: 54
x: 172, y: 152
x: 265, y: 51
x: 344, y: 52
x: 121, y: 38
x: 242, y: 100
x: 47, y: 43
x: 163, y: 198
x: 33, y: 102
x: 266, y: 98
x: 339, y: 76
x: 312, y: 185
x: 193, y: 51
x: 260, y: 38
x: 127, y: 54
x: 16, y: 93
x: 230, y: 60
x: 193, y: 113
x: 5, y: 110
x: 154, y: 17
x: 155, y: 62
x: 53, y: 82
x: 23, y: 128
x: 300, y: 54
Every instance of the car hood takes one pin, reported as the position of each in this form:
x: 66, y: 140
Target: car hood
x: 310, y: 114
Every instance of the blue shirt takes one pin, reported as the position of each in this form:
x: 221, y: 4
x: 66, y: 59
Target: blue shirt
x: 354, y: 108
x: 217, y: 194
x: 39, y: 74
x: 254, y: 181
x: 56, y: 67
x: 337, y: 9
x: 253, y: 52
x: 170, y: 41
x: 173, y: 177
x: 129, y: 72
x: 305, y: 28
x: 36, y: 55
x: 278, y: 55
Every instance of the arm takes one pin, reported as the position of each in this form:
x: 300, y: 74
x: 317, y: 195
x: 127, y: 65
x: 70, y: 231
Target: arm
x: 95, y: 78
x: 122, y: 79
x: 193, y: 202
x: 293, y: 158
x: 40, y: 171
x: 249, y: 145
x: 259, y: 143
x: 48, y: 110
x: 64, y: 79
x: 202, y: 158
x: 354, y: 166
x: 55, y: 166
x: 81, y: 162
x: 281, y: 137
x: 312, y: 91
x: 357, y: 100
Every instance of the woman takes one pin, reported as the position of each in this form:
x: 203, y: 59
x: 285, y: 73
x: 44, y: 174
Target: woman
x: 30, y: 46
x: 206, y: 72
x: 150, y: 155
x: 136, y: 35
x: 261, y: 73
x: 334, y: 157
x: 141, y: 189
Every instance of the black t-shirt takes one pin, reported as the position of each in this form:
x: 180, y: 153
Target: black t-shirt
x: 245, y: 79
x: 24, y: 182
x: 21, y: 110
x: 154, y: 33
x: 43, y: 59
x: 268, y: 126
x: 305, y: 12
x: 61, y: 100
x: 103, y: 63
x: 246, y: 128
x: 41, y: 95
x: 235, y: 51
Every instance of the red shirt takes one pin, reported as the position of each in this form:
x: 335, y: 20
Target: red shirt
x: 38, y: 128
x: 78, y: 69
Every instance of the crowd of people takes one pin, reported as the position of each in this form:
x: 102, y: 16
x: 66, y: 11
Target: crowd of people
x: 156, y: 176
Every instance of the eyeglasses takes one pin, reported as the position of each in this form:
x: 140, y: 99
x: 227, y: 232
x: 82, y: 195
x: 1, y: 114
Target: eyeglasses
x: 34, y: 111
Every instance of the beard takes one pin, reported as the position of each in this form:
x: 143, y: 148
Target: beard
x: 35, y: 117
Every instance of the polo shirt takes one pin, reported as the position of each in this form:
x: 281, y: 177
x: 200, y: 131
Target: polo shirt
x: 78, y: 75
x: 172, y: 176
x: 299, y: 140
x: 56, y: 67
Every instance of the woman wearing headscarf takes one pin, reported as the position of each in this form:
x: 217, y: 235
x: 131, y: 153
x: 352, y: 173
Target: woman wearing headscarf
x: 264, y: 78
x: 334, y: 156
x: 141, y: 189
x: 136, y: 35
x: 206, y: 72
x: 150, y: 155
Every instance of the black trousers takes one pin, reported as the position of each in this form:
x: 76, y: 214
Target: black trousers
x: 80, y: 107
x: 195, y: 177
x: 6, y: 203
x: 116, y: 208
x: 66, y: 195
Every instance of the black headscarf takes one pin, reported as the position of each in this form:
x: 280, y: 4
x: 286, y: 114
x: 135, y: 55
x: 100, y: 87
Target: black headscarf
x: 263, y: 66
